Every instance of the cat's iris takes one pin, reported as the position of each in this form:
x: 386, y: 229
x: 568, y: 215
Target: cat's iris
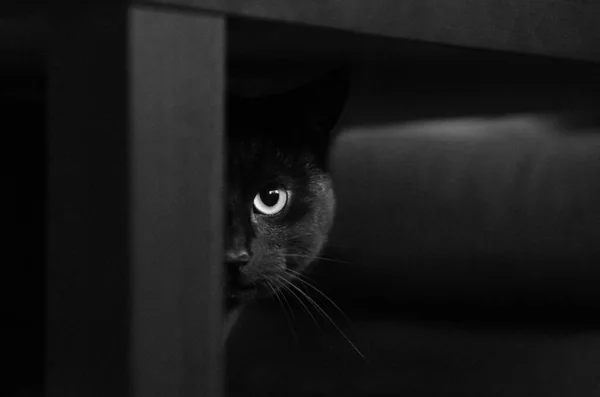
x: 271, y: 200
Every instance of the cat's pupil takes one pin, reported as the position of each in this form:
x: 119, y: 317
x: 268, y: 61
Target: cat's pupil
x: 270, y: 197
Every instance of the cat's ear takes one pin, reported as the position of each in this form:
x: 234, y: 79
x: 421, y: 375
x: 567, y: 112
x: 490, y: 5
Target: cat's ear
x: 318, y: 105
x: 302, y: 117
x: 314, y: 109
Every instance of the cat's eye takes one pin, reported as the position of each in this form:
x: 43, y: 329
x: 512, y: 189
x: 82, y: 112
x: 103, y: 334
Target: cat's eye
x: 271, y: 200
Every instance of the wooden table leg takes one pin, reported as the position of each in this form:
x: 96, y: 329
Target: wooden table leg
x: 135, y: 168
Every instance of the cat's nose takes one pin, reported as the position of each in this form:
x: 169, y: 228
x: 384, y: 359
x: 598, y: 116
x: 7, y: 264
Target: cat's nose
x: 237, y: 258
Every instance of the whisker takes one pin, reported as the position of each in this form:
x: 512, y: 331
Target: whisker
x: 295, y: 236
x: 269, y: 284
x: 297, y: 276
x: 322, y: 313
x: 300, y: 277
x: 282, y: 295
x: 296, y: 273
x: 276, y: 293
x: 322, y: 258
x: 282, y: 285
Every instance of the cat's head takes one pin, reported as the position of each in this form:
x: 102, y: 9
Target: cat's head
x: 280, y: 202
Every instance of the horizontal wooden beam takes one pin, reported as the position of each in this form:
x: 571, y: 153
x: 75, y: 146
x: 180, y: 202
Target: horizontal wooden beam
x: 558, y: 28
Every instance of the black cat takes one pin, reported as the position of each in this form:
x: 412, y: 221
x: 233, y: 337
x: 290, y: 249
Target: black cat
x: 280, y: 202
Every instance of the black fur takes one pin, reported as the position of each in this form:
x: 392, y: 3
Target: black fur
x: 281, y: 140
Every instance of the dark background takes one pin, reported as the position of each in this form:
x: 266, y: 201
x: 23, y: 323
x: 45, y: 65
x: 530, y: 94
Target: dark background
x: 420, y: 348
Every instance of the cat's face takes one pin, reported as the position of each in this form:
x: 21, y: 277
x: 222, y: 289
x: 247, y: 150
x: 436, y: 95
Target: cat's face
x: 280, y: 202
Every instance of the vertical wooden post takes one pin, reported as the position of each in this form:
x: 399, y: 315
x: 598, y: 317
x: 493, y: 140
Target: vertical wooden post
x: 134, y: 202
